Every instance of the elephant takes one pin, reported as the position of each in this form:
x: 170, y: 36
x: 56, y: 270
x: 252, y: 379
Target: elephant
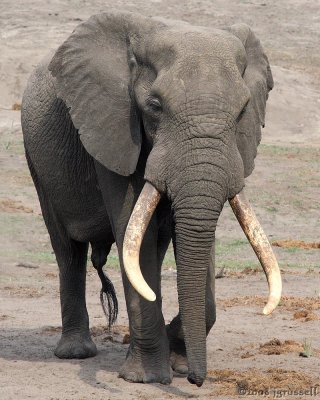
x: 137, y: 130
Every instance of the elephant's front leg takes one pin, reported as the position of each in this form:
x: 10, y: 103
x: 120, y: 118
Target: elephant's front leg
x: 178, y: 356
x: 148, y: 355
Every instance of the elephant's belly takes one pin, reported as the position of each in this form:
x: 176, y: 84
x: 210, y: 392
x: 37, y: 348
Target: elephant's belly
x: 94, y: 228
x: 85, y: 217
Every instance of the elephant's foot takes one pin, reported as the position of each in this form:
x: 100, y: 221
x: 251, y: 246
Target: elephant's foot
x: 178, y: 356
x: 179, y: 362
x: 146, y: 368
x: 75, y: 346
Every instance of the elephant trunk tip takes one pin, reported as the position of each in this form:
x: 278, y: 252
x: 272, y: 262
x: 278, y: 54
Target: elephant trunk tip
x: 195, y: 380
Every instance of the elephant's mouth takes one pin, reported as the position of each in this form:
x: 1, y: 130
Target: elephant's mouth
x: 140, y: 218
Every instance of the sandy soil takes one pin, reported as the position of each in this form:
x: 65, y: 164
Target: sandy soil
x: 246, y: 350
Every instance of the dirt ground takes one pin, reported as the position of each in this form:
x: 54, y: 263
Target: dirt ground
x: 247, y: 351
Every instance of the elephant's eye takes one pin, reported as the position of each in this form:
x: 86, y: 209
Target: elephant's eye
x: 154, y: 104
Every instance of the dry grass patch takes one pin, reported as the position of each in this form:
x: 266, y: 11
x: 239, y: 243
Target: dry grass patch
x: 13, y: 206
x: 248, y: 271
x: 51, y: 275
x: 16, y: 107
x: 275, y: 346
x: 24, y: 291
x: 305, y: 316
x: 288, y: 303
x: 117, y: 333
x: 298, y: 244
x: 51, y: 330
x: 231, y: 383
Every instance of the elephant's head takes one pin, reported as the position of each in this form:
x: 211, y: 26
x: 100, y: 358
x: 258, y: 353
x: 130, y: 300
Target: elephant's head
x: 195, y: 99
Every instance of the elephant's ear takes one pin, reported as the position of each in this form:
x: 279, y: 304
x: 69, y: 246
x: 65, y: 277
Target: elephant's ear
x: 258, y: 78
x: 93, y: 78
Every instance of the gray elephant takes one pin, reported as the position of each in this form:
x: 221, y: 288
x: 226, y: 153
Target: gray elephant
x: 137, y: 130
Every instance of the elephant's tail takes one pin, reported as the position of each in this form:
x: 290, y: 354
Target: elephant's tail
x: 108, y: 298
x: 108, y: 295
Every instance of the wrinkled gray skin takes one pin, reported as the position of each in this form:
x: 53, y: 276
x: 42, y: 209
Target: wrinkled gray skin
x: 128, y: 99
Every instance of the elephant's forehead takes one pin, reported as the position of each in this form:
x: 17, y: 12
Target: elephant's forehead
x: 198, y: 48
x: 201, y: 43
x: 197, y: 64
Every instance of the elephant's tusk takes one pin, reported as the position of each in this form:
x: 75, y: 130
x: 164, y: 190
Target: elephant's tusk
x: 136, y: 228
x: 261, y: 246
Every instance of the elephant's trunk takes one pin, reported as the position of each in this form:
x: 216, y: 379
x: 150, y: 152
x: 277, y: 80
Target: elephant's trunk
x: 195, y: 219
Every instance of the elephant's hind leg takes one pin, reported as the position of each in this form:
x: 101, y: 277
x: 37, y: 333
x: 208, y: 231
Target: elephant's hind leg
x: 75, y: 340
x: 71, y: 257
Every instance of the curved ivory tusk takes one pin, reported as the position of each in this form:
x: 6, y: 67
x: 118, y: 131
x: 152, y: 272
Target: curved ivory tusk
x: 261, y: 246
x: 136, y: 228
